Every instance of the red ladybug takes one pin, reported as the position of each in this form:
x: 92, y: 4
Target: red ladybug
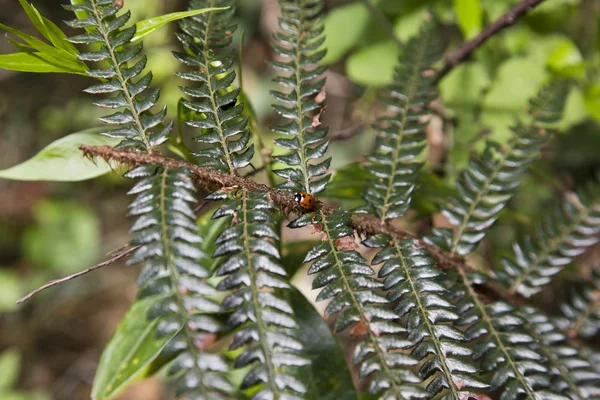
x: 305, y: 200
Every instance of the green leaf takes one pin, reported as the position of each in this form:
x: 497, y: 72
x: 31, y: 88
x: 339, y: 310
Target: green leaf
x: 470, y: 16
x: 373, y: 65
x: 35, y: 62
x: 327, y: 375
x: 409, y: 23
x: 48, y: 29
x: 149, y: 25
x: 566, y: 60
x: 348, y: 183
x: 340, y: 35
x: 131, y: 349
x: 10, y: 364
x: 62, y: 161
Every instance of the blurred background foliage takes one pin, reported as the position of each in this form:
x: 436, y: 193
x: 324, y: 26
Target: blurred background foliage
x: 49, y: 230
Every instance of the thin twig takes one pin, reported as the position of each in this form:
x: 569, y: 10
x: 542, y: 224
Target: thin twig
x: 464, y: 52
x: 55, y: 282
x: 209, y: 179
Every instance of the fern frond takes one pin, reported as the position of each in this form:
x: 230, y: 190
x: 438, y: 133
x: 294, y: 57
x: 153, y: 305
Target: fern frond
x: 572, y: 375
x: 345, y: 277
x: 414, y: 281
x: 566, y: 233
x: 504, y: 348
x: 251, y: 268
x: 137, y: 125
x: 489, y: 182
x: 297, y: 43
x: 224, y: 131
x: 173, y: 271
x: 581, y: 313
x: 401, y: 132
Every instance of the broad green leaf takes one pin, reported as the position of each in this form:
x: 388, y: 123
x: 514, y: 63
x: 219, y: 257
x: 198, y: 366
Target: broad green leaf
x: 575, y: 110
x: 470, y: 16
x: 373, y: 65
x: 55, y: 55
x: 463, y: 88
x: 327, y: 375
x: 62, y: 161
x: 130, y: 351
x: 35, y: 62
x: 151, y: 24
x: 566, y: 60
x: 409, y: 23
x: 344, y: 27
x: 37, y: 395
x: 10, y: 364
x: 47, y: 28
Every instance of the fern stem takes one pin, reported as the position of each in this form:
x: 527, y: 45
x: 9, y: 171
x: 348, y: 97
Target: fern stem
x: 174, y: 278
x: 363, y: 319
x: 262, y: 329
x: 120, y: 77
x: 553, y: 245
x: 484, y: 315
x: 432, y: 334
x: 576, y: 325
x: 213, y: 103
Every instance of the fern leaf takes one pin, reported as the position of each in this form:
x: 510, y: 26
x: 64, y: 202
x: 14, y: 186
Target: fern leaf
x: 224, y: 131
x: 414, y: 282
x: 581, y: 313
x: 401, y: 133
x: 266, y: 321
x: 297, y: 43
x: 572, y: 375
x: 136, y: 124
x: 166, y: 232
x: 504, y: 348
x: 489, y: 182
x: 565, y: 234
x: 345, y: 277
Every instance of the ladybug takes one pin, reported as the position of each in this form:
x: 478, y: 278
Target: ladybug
x: 305, y: 200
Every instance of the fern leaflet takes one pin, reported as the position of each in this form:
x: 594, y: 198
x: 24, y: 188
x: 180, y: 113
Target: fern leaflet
x: 486, y: 186
x: 138, y: 126
x: 572, y: 375
x: 582, y: 310
x: 225, y: 133
x: 401, y: 132
x: 301, y: 36
x: 344, y: 276
x: 568, y: 231
x: 413, y: 280
x: 166, y: 232
x: 266, y: 321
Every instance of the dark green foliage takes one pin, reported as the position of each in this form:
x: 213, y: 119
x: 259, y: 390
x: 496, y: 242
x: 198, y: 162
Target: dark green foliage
x: 224, y: 132
x: 300, y: 37
x: 401, y: 132
x: 571, y: 374
x: 503, y: 345
x: 567, y: 231
x: 582, y: 311
x: 345, y: 277
x: 175, y: 272
x: 414, y: 284
x: 490, y: 181
x: 121, y: 64
x: 265, y: 320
